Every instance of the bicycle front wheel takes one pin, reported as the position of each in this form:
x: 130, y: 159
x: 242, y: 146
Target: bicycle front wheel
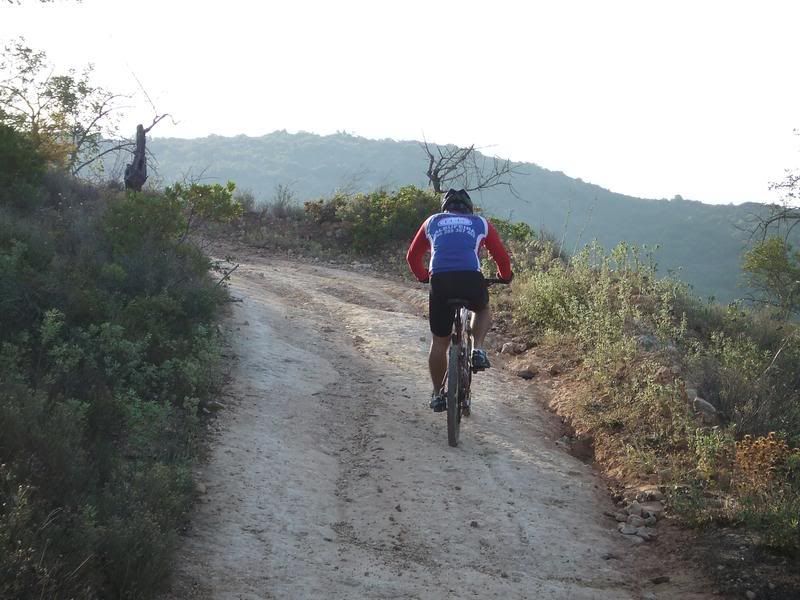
x: 453, y: 402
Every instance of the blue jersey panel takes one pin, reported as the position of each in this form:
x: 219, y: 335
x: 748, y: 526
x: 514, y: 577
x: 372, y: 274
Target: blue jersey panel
x: 455, y: 241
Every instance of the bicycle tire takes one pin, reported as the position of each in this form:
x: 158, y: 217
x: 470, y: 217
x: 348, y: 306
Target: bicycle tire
x: 453, y: 402
x: 466, y: 367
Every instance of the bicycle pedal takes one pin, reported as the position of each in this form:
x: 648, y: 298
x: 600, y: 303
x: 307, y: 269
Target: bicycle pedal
x: 438, y: 404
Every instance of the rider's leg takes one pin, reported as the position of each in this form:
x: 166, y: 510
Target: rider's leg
x: 481, y: 323
x: 437, y: 360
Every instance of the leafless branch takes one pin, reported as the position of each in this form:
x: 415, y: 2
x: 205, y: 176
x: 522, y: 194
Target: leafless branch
x: 472, y: 170
x: 227, y: 275
x: 156, y: 120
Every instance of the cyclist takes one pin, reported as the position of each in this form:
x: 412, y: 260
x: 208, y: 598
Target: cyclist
x: 454, y: 238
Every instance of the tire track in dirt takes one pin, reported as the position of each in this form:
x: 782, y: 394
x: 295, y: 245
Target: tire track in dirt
x: 332, y: 478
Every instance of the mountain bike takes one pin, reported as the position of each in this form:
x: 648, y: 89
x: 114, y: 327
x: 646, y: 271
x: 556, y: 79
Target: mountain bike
x: 458, y: 378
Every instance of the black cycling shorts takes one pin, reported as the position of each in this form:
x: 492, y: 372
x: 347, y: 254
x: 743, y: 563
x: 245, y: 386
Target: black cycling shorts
x: 467, y: 285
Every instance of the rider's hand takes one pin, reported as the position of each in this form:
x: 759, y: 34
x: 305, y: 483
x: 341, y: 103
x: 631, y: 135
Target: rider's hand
x: 509, y: 280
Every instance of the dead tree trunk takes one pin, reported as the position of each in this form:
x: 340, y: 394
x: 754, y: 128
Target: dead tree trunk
x: 136, y: 172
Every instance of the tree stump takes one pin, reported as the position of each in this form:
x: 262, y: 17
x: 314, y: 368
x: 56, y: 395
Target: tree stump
x: 136, y: 172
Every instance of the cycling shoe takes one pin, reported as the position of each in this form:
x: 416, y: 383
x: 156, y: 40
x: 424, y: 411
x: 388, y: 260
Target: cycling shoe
x: 479, y: 360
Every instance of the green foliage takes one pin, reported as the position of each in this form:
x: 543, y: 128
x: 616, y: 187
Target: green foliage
x: 105, y: 354
x: 634, y: 334
x: 371, y: 222
x: 66, y: 117
x: 210, y: 202
x: 381, y: 217
x: 772, y: 268
x: 528, y: 250
x: 144, y: 216
x: 21, y: 167
x: 513, y: 232
x: 713, y: 449
x: 597, y: 298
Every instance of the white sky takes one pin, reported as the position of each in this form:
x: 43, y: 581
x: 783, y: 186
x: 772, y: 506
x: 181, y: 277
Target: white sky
x: 648, y: 98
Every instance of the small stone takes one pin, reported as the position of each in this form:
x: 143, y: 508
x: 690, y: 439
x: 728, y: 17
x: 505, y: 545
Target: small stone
x: 511, y: 348
x: 704, y: 406
x: 634, y: 508
x: 626, y: 529
x: 660, y: 579
x: 652, y: 508
x: 650, y: 520
x: 609, y: 556
x: 636, y: 521
x: 621, y: 517
x: 398, y: 508
x: 526, y: 373
x: 554, y: 370
x: 634, y: 539
x: 473, y: 524
x: 653, y: 495
x: 646, y: 533
x: 200, y: 487
x: 751, y: 595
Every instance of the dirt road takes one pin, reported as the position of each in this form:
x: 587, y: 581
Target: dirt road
x: 331, y: 477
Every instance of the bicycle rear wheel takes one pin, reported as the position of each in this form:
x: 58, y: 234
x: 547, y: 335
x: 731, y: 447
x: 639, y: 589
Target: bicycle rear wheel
x: 453, y: 401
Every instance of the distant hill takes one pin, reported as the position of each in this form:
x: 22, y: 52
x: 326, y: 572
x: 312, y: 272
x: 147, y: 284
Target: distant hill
x: 703, y: 242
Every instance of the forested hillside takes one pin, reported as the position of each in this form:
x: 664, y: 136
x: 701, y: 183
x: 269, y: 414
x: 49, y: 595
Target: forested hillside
x: 704, y: 241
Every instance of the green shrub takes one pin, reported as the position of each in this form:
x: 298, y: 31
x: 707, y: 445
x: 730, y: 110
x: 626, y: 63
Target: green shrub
x: 380, y: 218
x: 21, y: 169
x: 528, y: 250
x: 105, y: 353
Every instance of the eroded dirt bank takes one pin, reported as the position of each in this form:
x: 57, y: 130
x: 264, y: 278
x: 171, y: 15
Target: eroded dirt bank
x: 331, y: 478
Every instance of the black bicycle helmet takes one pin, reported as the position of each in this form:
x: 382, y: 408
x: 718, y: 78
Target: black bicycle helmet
x: 457, y: 201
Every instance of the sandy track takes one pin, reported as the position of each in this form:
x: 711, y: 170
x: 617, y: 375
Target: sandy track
x: 333, y: 479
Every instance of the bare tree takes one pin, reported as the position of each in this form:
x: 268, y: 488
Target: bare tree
x: 136, y: 171
x: 779, y: 219
x: 772, y: 265
x: 72, y: 122
x: 465, y: 167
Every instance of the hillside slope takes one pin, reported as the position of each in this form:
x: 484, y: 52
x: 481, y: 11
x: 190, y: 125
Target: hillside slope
x: 704, y: 242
